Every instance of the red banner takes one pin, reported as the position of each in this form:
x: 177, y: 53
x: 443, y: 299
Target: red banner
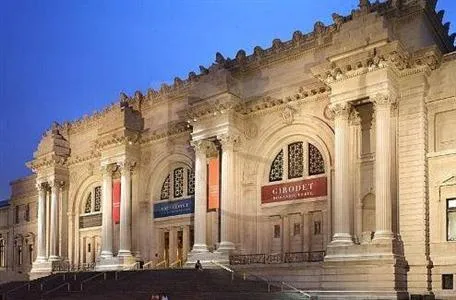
x: 303, y: 189
x: 213, y: 182
x: 116, y: 201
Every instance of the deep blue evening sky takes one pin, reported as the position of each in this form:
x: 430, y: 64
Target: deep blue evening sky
x: 62, y: 59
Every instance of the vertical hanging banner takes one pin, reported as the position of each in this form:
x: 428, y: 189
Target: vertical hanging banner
x: 213, y: 181
x: 116, y: 201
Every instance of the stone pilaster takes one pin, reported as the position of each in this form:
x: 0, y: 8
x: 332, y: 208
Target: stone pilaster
x: 342, y: 197
x: 201, y: 149
x: 383, y: 146
x: 106, y: 230
x: 228, y: 142
x: 125, y: 208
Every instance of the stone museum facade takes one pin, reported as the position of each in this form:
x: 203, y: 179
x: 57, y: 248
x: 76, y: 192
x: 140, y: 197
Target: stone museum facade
x: 327, y: 161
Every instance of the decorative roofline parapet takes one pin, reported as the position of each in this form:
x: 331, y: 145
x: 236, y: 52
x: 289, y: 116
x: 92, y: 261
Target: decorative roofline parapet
x: 320, y: 36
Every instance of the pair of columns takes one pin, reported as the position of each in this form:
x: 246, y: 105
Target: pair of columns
x: 342, y: 198
x: 202, y: 148
x: 55, y: 188
x: 125, y: 168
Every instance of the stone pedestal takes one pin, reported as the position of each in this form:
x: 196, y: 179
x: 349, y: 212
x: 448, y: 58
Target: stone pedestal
x: 206, y: 259
x: 115, y: 263
x: 40, y: 269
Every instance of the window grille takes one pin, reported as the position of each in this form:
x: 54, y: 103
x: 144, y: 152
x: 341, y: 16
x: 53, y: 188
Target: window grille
x: 97, y: 206
x: 190, y: 182
x: 88, y: 204
x: 165, y: 189
x: 178, y: 182
x: 276, y: 172
x: 295, y: 160
x: 316, y: 162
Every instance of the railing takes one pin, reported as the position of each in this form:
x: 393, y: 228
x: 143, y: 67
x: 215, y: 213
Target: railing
x: 148, y: 265
x: 176, y: 263
x: 65, y: 266
x: 92, y: 277
x: 25, y: 285
x: 277, y: 258
x: 134, y: 266
x: 43, y: 282
x: 67, y: 284
x: 224, y: 268
x: 282, y: 284
x: 162, y: 263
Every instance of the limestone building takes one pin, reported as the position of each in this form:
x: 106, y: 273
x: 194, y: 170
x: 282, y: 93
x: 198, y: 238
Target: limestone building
x: 332, y: 153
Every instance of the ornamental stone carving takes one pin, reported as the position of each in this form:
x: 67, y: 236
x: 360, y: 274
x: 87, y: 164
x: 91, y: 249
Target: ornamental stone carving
x: 382, y: 100
x: 229, y: 141
x: 288, y: 114
x: 107, y: 170
x: 126, y: 166
x: 250, y: 130
x: 341, y: 110
x: 204, y: 147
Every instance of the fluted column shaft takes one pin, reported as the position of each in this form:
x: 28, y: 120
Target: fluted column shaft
x: 342, y: 203
x: 106, y: 224
x: 227, y: 202
x: 383, y: 146
x: 41, y: 234
x: 201, y: 148
x: 54, y: 221
x: 125, y: 209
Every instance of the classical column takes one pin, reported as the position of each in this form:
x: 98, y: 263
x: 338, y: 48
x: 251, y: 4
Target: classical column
x: 185, y: 241
x: 106, y: 224
x: 342, y: 201
x: 201, y: 149
x: 125, y: 208
x: 383, y: 146
x: 228, y: 142
x: 54, y: 221
x: 41, y: 234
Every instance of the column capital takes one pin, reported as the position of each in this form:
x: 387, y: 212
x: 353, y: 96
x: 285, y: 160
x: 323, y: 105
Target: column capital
x: 41, y: 186
x: 62, y: 185
x: 53, y: 183
x: 383, y: 100
x: 107, y: 170
x: 229, y: 141
x: 126, y: 166
x: 341, y: 110
x: 354, y: 118
x: 203, y: 146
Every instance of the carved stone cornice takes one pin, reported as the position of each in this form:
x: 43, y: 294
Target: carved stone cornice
x: 47, y: 161
x: 391, y: 55
x: 212, y: 108
x: 302, y: 94
x: 170, y: 129
x: 81, y: 158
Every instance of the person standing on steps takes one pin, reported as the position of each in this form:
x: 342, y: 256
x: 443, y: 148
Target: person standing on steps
x: 198, y: 265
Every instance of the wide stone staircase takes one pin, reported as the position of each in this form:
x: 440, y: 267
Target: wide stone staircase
x: 179, y: 284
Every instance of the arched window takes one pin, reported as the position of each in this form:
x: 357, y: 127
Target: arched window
x: 93, y: 201
x: 296, y: 160
x: 178, y: 184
